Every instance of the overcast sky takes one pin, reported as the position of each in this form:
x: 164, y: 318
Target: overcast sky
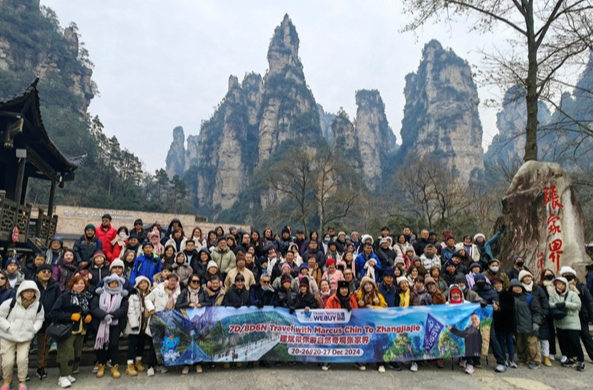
x: 161, y: 64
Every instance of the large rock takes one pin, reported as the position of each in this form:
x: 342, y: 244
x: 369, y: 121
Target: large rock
x: 374, y: 137
x: 175, y: 163
x: 345, y: 142
x: 544, y: 220
x: 441, y: 118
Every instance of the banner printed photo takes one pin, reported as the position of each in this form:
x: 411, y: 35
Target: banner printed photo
x: 220, y: 334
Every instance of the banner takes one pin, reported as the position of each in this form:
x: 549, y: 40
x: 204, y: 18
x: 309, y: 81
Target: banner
x: 220, y: 334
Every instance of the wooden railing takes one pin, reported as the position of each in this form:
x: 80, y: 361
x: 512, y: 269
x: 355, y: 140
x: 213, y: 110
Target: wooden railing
x: 13, y: 214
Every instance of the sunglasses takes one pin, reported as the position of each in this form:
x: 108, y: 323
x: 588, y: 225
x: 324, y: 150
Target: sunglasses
x: 265, y: 282
x: 2, y: 278
x: 195, y: 281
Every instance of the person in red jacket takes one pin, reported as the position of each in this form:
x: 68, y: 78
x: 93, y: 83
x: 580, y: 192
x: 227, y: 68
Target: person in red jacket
x: 106, y: 233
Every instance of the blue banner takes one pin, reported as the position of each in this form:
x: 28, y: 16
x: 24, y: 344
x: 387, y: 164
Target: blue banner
x: 219, y: 334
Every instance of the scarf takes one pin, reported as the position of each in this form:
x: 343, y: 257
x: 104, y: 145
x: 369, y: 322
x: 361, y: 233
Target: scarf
x: 193, y: 296
x: 109, y: 301
x: 119, y: 241
x: 528, y: 287
x: 81, y: 299
x: 370, y: 269
x: 170, y: 299
x: 27, y: 302
x: 12, y: 276
x: 345, y: 301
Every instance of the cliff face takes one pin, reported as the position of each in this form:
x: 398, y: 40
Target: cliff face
x: 345, y: 141
x: 176, y: 155
x: 441, y: 113
x: 325, y: 122
x: 289, y: 110
x: 374, y: 137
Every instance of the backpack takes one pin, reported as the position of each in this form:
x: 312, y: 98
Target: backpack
x: 13, y: 303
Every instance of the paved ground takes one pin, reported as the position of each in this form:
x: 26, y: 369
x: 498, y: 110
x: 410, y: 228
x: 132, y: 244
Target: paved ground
x: 340, y: 376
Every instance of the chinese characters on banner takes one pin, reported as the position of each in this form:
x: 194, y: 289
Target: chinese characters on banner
x: 554, y: 247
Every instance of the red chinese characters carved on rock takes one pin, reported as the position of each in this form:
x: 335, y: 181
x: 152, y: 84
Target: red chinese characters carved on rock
x: 552, y: 199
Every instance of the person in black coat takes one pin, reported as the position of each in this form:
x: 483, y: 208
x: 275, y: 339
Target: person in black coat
x: 504, y: 320
x: 262, y: 294
x: 31, y: 268
x: 192, y: 296
x: 200, y: 263
x: 586, y: 312
x: 304, y: 299
x: 237, y: 295
x: 49, y: 292
x: 284, y: 295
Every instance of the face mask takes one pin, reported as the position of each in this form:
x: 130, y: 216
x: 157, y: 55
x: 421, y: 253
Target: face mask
x: 480, y: 285
x: 494, y: 268
x: 520, y: 264
x: 326, y: 240
x: 549, y: 277
x: 463, y: 288
x: 123, y: 235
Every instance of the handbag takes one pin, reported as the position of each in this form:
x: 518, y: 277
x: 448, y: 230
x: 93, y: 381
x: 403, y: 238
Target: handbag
x: 59, y: 331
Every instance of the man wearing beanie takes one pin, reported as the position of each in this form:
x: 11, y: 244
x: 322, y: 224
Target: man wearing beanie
x: 239, y: 269
x: 86, y: 247
x: 49, y: 291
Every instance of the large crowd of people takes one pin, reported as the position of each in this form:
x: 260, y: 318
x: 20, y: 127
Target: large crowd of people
x: 113, y: 280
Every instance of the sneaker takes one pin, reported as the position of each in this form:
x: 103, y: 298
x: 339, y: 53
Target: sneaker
x: 150, y: 371
x: 533, y: 366
x: 63, y: 382
x: 22, y: 386
x: 568, y: 363
x: 512, y: 364
x: 53, y: 347
x: 500, y: 368
x: 185, y: 370
x: 547, y: 362
x: 462, y: 363
x: 477, y: 364
x: 360, y: 366
x: 440, y: 363
x: 199, y: 369
x: 41, y: 374
x: 325, y: 367
x: 563, y: 359
x: 581, y: 366
x: 395, y: 366
x: 96, y: 368
x: 414, y: 367
x: 163, y: 369
x: 469, y: 369
x: 5, y: 386
x: 381, y: 368
x: 552, y: 357
x: 71, y: 378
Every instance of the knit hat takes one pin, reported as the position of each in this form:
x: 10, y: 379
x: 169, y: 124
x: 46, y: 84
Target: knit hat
x: 565, y: 270
x: 285, y: 278
x: 493, y: 261
x: 399, y: 260
x: 517, y: 257
x: 496, y: 279
x: 303, y: 266
x: 401, y: 279
x: 474, y: 265
x: 285, y: 266
x: 138, y: 222
x: 458, y: 255
x: 341, y: 234
x: 135, y: 235
x: 559, y: 279
x: 389, y: 271
x: 516, y: 283
x: 211, y: 264
x: 523, y: 274
x: 330, y: 261
x: 99, y: 253
x: 342, y: 283
x: 43, y: 267
x: 114, y: 278
x: 58, y: 239
x: 116, y: 263
x: 460, y: 279
x: 304, y: 282
x: 415, y: 259
x: 479, y: 277
x: 141, y: 278
x: 428, y: 280
x: 449, y: 263
x: 367, y: 237
x: 448, y: 235
x: 285, y: 230
x: 384, y: 241
x: 457, y: 301
x: 479, y: 235
x: 89, y: 226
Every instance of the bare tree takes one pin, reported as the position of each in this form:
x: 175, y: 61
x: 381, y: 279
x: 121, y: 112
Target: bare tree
x: 551, y: 34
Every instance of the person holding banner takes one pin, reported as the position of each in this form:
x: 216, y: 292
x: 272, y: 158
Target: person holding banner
x: 369, y: 297
x: 238, y: 295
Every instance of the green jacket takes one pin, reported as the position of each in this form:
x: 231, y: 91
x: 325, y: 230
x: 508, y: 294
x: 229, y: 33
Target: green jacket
x: 573, y: 305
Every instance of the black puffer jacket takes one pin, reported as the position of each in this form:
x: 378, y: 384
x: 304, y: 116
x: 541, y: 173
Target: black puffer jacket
x: 183, y: 299
x: 305, y: 300
x: 49, y: 296
x: 235, y: 297
x: 586, y: 313
x: 260, y: 298
x: 284, y: 298
x: 504, y: 319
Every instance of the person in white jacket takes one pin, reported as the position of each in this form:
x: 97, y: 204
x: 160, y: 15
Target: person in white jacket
x: 20, y: 320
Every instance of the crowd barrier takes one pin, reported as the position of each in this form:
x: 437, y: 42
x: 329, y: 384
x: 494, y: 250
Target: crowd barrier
x: 221, y: 334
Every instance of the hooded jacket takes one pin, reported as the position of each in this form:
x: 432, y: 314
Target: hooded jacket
x: 197, y: 266
x: 21, y: 325
x: 235, y: 297
x: 369, y: 302
x: 571, y: 301
x: 62, y: 272
x: 145, y: 266
x: 527, y: 310
x: 52, y: 257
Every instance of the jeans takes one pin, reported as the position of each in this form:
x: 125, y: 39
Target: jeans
x: 505, y: 340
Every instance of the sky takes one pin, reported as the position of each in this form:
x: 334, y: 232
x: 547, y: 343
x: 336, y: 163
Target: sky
x: 162, y: 64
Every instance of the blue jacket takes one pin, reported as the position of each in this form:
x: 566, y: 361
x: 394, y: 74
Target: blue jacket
x: 360, y: 262
x: 486, y: 249
x: 390, y: 294
x: 144, y: 266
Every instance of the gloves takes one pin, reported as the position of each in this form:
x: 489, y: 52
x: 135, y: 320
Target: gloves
x: 88, y: 319
x: 376, y: 301
x: 483, y: 304
x: 502, y: 228
x: 124, y: 293
x: 75, y: 317
x: 361, y: 303
x: 260, y: 305
x: 560, y: 305
x: 99, y: 290
x: 108, y: 319
x: 535, y: 328
x: 291, y: 311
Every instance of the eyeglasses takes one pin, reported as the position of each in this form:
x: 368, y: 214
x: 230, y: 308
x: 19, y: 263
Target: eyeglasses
x: 45, y: 271
x: 195, y: 281
x: 265, y: 282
